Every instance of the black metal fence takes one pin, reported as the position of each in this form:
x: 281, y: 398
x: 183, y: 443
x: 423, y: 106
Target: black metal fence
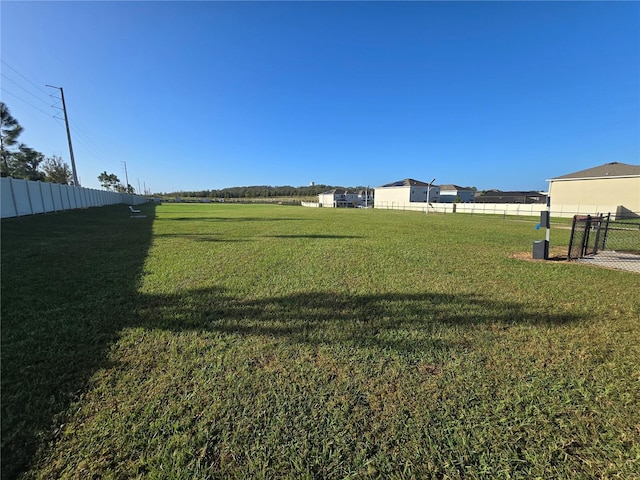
x: 598, y: 240
x: 588, y: 235
x: 623, y: 236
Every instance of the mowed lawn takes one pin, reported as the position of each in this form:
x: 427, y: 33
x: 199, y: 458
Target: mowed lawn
x: 231, y: 341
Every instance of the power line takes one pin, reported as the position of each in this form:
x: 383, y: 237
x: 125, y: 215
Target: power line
x: 38, y: 87
x: 21, y: 87
x: 28, y: 103
x: 81, y: 133
x: 83, y: 138
x: 87, y: 144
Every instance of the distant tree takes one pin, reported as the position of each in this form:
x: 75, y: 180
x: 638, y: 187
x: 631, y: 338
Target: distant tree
x: 110, y: 181
x: 26, y: 164
x: 56, y: 171
x: 10, y: 130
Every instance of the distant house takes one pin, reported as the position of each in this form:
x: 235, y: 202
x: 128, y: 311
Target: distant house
x: 341, y: 198
x: 404, y: 192
x: 335, y: 198
x: 454, y: 193
x: 611, y: 187
x: 365, y: 198
x: 498, y: 196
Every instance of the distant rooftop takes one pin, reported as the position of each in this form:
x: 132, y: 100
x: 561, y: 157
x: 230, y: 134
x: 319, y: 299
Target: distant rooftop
x: 453, y: 187
x: 407, y: 182
x: 339, y: 191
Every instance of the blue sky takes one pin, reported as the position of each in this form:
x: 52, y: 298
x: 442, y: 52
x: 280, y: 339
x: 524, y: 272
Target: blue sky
x: 207, y: 95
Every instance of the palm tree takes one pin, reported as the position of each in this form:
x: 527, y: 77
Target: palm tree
x: 10, y: 130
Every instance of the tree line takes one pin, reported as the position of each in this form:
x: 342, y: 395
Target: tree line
x: 111, y: 182
x: 260, y: 191
x: 21, y: 161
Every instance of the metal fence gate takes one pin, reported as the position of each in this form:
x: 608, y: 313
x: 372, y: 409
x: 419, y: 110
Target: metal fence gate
x: 588, y: 235
x: 598, y: 240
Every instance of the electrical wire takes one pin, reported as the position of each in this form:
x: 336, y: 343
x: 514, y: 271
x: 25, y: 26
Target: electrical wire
x: 28, y: 103
x: 79, y: 135
x: 32, y: 83
x: 22, y: 88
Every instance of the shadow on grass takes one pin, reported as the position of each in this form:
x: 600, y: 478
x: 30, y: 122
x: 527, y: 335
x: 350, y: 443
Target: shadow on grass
x: 203, y: 237
x: 315, y: 236
x: 69, y: 281
x: 402, y: 322
x: 70, y: 285
x: 230, y: 219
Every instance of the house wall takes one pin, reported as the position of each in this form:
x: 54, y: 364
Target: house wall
x: 392, y: 195
x: 419, y: 193
x: 403, y: 195
x: 612, y: 192
x: 352, y: 199
x: 325, y: 200
x: 450, y: 196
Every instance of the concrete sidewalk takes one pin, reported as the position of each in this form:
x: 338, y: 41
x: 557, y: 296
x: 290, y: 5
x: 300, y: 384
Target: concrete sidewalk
x: 613, y: 259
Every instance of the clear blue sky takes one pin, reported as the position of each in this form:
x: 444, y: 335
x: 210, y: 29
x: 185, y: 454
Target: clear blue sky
x: 207, y: 95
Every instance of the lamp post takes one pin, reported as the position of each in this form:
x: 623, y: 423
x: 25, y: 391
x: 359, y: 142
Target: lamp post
x: 428, y: 192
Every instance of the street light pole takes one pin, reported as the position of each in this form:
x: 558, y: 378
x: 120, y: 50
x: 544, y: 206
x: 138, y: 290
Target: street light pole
x: 428, y: 192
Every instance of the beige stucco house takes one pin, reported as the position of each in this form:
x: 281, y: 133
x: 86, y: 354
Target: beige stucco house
x: 406, y: 193
x: 609, y: 188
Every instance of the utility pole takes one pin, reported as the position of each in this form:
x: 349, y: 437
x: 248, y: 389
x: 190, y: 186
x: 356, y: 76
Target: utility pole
x: 126, y: 176
x: 66, y: 122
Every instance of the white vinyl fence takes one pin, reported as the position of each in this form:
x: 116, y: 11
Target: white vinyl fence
x: 529, y: 209
x: 25, y: 197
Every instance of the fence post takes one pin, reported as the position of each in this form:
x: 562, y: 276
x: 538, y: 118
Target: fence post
x: 572, y: 237
x: 585, y: 237
x: 29, y: 196
x: 53, y: 201
x: 13, y: 196
x: 44, y: 208
x: 61, y: 198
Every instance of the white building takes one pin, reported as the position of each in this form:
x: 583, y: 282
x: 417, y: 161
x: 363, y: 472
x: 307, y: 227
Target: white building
x: 453, y: 193
x: 405, y: 192
x: 341, y: 198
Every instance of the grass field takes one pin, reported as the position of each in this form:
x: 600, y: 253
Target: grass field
x: 264, y: 341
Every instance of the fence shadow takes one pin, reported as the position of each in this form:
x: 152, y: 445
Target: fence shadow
x: 68, y: 282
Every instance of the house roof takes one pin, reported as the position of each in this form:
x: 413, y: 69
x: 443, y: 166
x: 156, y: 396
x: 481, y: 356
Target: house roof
x: 613, y: 169
x: 512, y: 193
x: 339, y: 191
x: 453, y: 187
x: 407, y: 182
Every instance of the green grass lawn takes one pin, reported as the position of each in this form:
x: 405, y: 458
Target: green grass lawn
x: 265, y: 341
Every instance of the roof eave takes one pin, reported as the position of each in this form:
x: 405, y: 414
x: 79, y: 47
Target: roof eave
x: 592, y: 178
